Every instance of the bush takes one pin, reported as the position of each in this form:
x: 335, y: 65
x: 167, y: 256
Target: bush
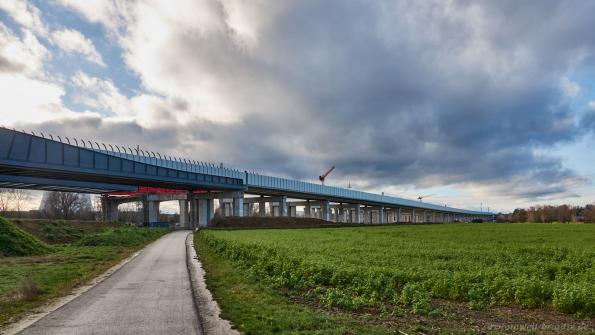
x: 16, y: 242
x: 30, y: 289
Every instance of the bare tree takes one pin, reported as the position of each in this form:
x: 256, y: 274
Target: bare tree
x: 5, y: 200
x: 20, y: 197
x: 66, y: 205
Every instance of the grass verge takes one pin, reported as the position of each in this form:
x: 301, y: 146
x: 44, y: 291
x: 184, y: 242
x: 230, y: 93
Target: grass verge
x: 29, y: 282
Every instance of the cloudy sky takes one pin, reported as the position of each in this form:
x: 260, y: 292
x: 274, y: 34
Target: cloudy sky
x: 470, y: 102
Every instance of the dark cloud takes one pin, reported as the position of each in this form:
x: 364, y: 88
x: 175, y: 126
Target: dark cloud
x: 391, y: 92
x: 588, y: 121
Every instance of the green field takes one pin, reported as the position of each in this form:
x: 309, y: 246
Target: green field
x: 548, y: 267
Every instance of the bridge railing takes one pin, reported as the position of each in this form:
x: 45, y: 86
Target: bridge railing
x: 297, y: 186
x: 249, y: 178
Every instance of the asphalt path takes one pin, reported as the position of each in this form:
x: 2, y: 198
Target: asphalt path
x: 151, y: 294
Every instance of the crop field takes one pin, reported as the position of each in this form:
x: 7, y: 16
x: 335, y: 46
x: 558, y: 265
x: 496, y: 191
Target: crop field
x: 547, y: 266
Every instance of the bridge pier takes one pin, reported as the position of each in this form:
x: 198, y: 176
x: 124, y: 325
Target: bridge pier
x: 238, y: 204
x: 151, y: 211
x: 183, y: 214
x: 262, y: 209
x: 109, y: 209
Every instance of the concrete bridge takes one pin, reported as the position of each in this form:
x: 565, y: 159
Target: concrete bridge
x: 43, y: 162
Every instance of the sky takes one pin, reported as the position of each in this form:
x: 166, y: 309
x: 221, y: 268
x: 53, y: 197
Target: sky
x: 473, y: 104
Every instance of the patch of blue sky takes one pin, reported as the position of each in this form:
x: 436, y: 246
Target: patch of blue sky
x: 115, y: 69
x: 584, y: 76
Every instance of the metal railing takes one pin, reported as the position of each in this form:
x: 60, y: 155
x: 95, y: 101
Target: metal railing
x: 250, y: 179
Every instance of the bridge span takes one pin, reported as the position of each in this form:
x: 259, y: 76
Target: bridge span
x: 120, y: 174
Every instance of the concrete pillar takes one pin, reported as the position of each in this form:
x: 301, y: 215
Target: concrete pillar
x: 262, y: 208
x: 151, y: 211
x: 193, y: 217
x: 183, y: 214
x: 291, y: 211
x: 326, y: 211
x: 342, y: 215
x: 238, y: 204
x: 109, y: 210
x: 283, y: 206
x: 398, y: 214
x: 210, y: 210
x: 357, y: 215
x: 413, y: 218
x: 381, y: 215
x: 308, y: 210
x: 203, y: 212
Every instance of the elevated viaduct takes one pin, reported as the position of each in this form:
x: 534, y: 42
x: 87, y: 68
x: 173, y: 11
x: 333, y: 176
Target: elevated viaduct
x: 43, y: 162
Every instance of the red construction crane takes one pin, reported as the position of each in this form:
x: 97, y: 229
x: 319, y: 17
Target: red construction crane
x: 326, y: 174
x: 421, y: 197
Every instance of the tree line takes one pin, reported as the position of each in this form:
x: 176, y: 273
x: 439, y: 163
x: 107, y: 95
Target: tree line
x: 54, y: 205
x: 550, y: 213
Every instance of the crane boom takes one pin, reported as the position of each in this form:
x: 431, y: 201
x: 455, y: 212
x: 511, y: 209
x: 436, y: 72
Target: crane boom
x: 420, y: 198
x: 323, y: 176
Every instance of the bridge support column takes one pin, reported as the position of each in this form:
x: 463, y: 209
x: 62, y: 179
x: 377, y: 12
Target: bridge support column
x: 357, y: 215
x: 308, y: 210
x: 248, y: 209
x: 203, y: 212
x: 238, y: 204
x: 151, y: 211
x: 367, y: 215
x: 109, y: 210
x: 283, y: 206
x: 193, y: 217
x: 398, y: 214
x: 291, y: 211
x: 381, y: 215
x: 326, y: 210
x: 262, y: 208
x: 413, y: 217
x: 183, y: 214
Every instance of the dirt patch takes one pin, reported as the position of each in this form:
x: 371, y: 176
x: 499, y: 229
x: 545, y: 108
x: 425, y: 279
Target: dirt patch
x: 270, y: 222
x: 248, y: 222
x: 456, y: 317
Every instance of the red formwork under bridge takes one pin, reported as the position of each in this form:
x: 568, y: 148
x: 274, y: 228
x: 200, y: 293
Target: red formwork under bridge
x: 152, y: 190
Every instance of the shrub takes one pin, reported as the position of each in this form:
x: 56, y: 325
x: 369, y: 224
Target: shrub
x: 30, y: 289
x: 16, y: 242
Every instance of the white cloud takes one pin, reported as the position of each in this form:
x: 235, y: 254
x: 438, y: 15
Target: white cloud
x: 25, y: 14
x: 29, y: 99
x: 592, y: 104
x: 73, y: 41
x: 103, y: 96
x: 100, y: 94
x: 110, y: 13
x: 24, y: 54
x: 570, y: 88
x: 27, y: 94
